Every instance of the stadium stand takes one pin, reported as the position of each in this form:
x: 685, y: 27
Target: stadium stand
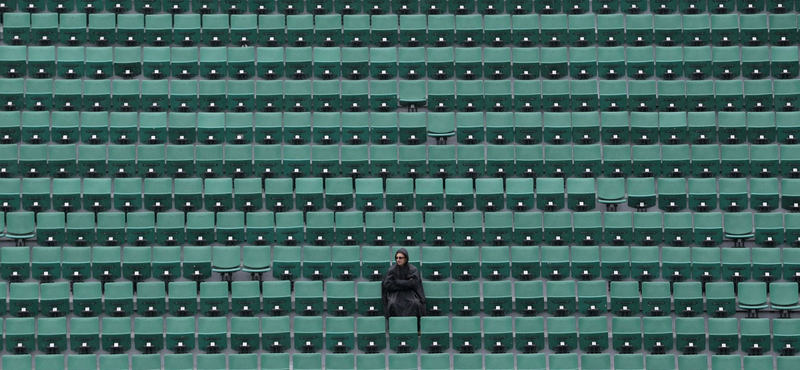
x: 222, y: 184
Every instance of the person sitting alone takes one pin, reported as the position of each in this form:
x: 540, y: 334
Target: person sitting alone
x: 402, y: 290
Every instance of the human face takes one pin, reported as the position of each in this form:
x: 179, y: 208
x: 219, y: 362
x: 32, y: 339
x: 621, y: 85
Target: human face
x: 400, y: 258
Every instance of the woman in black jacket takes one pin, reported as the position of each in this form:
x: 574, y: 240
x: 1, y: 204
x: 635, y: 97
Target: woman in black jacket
x: 402, y: 288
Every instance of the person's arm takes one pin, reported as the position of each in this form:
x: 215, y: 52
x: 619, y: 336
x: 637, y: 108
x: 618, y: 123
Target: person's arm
x: 392, y: 284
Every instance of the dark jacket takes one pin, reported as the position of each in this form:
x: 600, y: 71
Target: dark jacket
x: 402, y: 290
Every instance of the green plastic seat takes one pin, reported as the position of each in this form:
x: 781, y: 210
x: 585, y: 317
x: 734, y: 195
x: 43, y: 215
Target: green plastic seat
x: 369, y: 194
x: 587, y: 160
x: 239, y: 160
x: 465, y: 297
x: 729, y: 95
x: 688, y: 295
x: 627, y: 332
x: 46, y: 263
x: 459, y: 197
x: 629, y: 361
x: 356, y: 29
x: 563, y: 335
x: 596, y: 361
x: 372, y: 337
x: 766, y: 267
x: 761, y: 362
x: 785, y: 95
x: 245, y: 298
x: 783, y: 298
x: 19, y: 24
x: 464, y: 263
x: 655, y: 295
x: 285, y: 259
x: 76, y: 261
x: 166, y: 260
x: 725, y: 62
x: 616, y: 161
x: 785, y: 337
x: 725, y: 30
x: 39, y: 93
x: 260, y: 227
x: 640, y: 62
x: 656, y: 337
x: 642, y: 97
x: 16, y: 264
x: 739, y: 226
x: 782, y: 58
x: 430, y: 361
x: 762, y: 163
x: 646, y: 160
x: 696, y: 62
x: 309, y: 301
x: 529, y: 338
x: 688, y: 338
x: 341, y: 301
x: 197, y: 263
x: 561, y: 297
x: 758, y: 95
x: 585, y: 95
x: 615, y: 262
x: 20, y: 339
x: 274, y: 360
x: 754, y: 64
x: 148, y: 334
x: 581, y: 195
x: 435, y: 333
x: 768, y: 230
x: 736, y: 265
x: 32, y: 164
x: 498, y: 228
x: 308, y: 333
x: 726, y: 361
x: 525, y: 262
x: 788, y: 191
x: 277, y: 302
x: 613, y: 98
x: 211, y: 335
x: 594, y: 334
x: 106, y: 263
x: 199, y: 227
x: 558, y: 160
x: 408, y: 227
x: 379, y: 228
x: 644, y: 263
x: 618, y: 228
x: 316, y: 259
x: 213, y: 298
x: 498, y: 297
x: 702, y: 194
x: 84, y: 334
x: 15, y: 57
x: 150, y: 299
x: 466, y: 334
x: 592, y: 300
x: 52, y: 339
x: 116, y: 334
x: 550, y: 194
x: 519, y: 194
x: 51, y: 229
x: 754, y: 298
x: 671, y: 194
x: 240, y: 361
